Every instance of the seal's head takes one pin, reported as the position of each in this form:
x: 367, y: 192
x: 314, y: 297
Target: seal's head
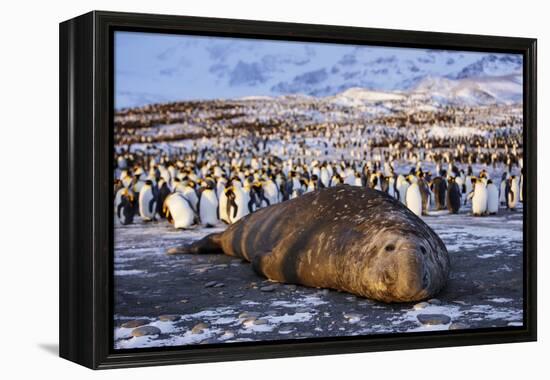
x: 402, y: 263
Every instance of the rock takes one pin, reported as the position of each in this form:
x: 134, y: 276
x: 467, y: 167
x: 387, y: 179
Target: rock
x: 458, y: 326
x: 184, y: 300
x: 249, y: 321
x: 291, y: 287
x: 145, y: 331
x: 286, y: 329
x: 434, y: 301
x: 134, y: 323
x: 210, y: 284
x: 260, y: 321
x: 248, y: 314
x: 433, y: 319
x: 228, y: 334
x: 352, y: 317
x: 219, y: 285
x: 169, y: 318
x: 302, y: 310
x: 238, y: 295
x: 268, y: 288
x: 199, y: 328
x: 421, y: 305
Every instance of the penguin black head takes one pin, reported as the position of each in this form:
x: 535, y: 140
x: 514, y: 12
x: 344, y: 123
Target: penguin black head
x: 149, y: 182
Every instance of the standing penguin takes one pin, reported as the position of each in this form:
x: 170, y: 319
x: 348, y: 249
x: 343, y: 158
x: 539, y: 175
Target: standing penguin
x: 238, y: 204
x: 125, y: 208
x: 513, y: 193
x: 178, y: 211
x: 414, y: 198
x: 402, y: 186
x: 503, y: 193
x: 163, y: 192
x: 148, y: 201
x: 208, y: 204
x: 424, y: 193
x: 453, y: 196
x: 271, y: 191
x: 190, y: 193
x: 479, y: 197
x: 492, y: 198
x: 439, y: 188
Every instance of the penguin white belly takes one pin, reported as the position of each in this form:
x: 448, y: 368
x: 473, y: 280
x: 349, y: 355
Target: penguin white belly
x: 271, y: 193
x: 325, y: 177
x: 223, y: 208
x: 502, y: 195
x: 241, y: 199
x: 180, y: 211
x: 492, y: 199
x: 192, y: 197
x: 357, y: 182
x: 147, y: 205
x: 479, y: 200
x: 513, y: 195
x: 403, y: 192
x: 414, y: 199
x: 208, y: 208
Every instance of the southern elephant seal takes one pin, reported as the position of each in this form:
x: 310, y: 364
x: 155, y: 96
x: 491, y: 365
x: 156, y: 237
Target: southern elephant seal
x: 348, y: 238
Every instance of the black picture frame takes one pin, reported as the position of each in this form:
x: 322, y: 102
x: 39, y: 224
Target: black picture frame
x: 86, y: 225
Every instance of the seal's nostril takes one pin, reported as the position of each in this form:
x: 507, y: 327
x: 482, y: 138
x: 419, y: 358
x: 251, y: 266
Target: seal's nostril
x: 423, y: 249
x: 390, y: 247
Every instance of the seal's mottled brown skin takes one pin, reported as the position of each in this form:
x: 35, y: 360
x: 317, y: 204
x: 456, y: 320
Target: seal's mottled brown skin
x: 347, y: 238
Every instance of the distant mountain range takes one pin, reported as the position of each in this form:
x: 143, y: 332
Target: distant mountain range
x: 160, y: 68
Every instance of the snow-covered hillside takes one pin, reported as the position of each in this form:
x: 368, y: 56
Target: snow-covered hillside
x: 160, y: 68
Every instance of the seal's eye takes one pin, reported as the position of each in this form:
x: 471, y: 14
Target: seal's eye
x: 390, y: 247
x: 423, y: 250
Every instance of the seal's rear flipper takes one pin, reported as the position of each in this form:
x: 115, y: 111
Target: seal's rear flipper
x: 208, y: 244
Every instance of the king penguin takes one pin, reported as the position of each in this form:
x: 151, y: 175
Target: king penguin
x: 208, y: 204
x: 414, y: 199
x: 178, y: 211
x: 479, y: 197
x: 148, y: 201
x: 492, y: 198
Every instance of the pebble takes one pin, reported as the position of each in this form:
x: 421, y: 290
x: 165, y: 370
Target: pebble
x: 434, y: 301
x: 420, y: 306
x: 210, y: 284
x: 268, y: 288
x: 291, y: 287
x: 184, y: 300
x: 286, y: 329
x: 433, y: 319
x: 134, y: 323
x: 249, y: 321
x: 199, y: 328
x: 238, y: 295
x: 352, y: 317
x: 260, y: 321
x: 458, y: 326
x: 146, y: 330
x: 248, y: 314
x: 228, y: 334
x: 302, y: 310
x: 219, y: 285
x: 169, y: 318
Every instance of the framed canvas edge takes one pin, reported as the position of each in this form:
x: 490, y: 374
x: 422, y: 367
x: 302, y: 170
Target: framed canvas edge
x: 85, y: 115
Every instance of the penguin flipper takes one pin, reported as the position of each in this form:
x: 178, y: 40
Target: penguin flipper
x: 152, y: 205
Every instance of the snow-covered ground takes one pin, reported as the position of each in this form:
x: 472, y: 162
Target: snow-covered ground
x: 197, y: 299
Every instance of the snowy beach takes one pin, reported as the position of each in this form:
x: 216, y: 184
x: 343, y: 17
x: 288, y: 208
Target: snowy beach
x: 197, y: 299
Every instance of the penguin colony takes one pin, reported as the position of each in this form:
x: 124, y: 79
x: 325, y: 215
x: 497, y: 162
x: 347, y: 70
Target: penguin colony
x: 199, y: 163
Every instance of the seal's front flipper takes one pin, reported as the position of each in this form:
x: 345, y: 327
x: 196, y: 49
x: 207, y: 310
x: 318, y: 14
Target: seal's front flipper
x: 208, y: 244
